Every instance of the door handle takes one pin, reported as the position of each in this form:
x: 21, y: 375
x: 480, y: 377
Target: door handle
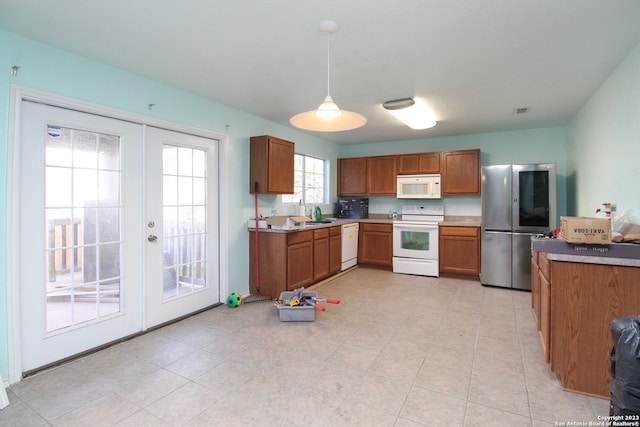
x: 152, y: 237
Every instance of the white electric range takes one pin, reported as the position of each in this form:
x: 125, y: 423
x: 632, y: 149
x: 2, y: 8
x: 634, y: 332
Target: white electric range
x: 415, y: 240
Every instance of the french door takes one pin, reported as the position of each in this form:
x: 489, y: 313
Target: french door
x: 92, y: 192
x: 182, y: 234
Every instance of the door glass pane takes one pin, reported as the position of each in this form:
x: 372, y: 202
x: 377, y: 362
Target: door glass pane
x: 83, y: 239
x: 184, y: 220
x: 534, y: 198
x: 415, y: 240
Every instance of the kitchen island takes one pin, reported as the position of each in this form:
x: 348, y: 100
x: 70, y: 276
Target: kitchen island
x: 577, y: 290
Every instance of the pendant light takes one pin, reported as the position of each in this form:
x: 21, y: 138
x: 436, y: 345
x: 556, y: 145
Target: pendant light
x: 328, y: 117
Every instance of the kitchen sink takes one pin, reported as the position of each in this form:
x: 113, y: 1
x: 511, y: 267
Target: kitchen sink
x: 324, y: 221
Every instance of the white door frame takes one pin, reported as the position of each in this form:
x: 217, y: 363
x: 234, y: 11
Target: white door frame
x: 20, y: 93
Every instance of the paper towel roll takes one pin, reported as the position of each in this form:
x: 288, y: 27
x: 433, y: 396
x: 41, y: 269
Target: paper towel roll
x: 301, y: 211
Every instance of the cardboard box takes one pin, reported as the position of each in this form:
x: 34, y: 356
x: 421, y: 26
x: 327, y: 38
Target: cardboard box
x: 594, y: 231
x: 262, y: 223
x: 287, y: 222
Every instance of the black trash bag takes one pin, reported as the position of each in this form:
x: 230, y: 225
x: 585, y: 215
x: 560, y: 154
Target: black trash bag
x: 625, y: 369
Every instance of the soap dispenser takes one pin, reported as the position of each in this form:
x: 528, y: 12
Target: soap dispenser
x: 318, y: 214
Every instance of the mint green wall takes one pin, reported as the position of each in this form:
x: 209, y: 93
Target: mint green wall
x: 545, y: 145
x: 55, y: 71
x: 604, y: 144
x: 609, y: 122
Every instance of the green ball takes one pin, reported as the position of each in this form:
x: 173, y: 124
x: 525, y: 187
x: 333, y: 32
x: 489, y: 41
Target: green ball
x: 234, y: 300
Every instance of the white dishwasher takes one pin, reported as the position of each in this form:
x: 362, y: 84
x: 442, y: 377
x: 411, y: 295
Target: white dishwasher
x: 349, y: 245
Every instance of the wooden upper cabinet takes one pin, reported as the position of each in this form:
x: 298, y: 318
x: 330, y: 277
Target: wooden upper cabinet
x: 381, y: 175
x: 352, y: 176
x: 419, y: 163
x: 271, y: 165
x: 461, y: 172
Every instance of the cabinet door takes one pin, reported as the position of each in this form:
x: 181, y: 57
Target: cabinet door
x: 335, y: 250
x: 381, y: 175
x: 535, y: 289
x: 272, y: 276
x: 461, y: 172
x: 320, y: 254
x: 375, y: 244
x: 418, y: 163
x: 299, y: 265
x: 430, y: 163
x: 460, y: 250
x: 271, y: 165
x: 545, y: 315
x: 352, y: 176
x: 281, y: 157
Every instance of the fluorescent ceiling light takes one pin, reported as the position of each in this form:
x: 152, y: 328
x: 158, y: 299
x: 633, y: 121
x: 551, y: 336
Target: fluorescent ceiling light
x: 414, y: 114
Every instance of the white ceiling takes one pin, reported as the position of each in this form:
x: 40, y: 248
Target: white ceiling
x: 472, y: 61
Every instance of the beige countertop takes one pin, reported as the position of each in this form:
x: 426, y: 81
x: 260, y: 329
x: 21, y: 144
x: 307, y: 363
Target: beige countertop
x: 624, y: 254
x: 459, y: 221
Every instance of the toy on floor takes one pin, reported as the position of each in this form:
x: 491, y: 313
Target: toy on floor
x: 234, y: 300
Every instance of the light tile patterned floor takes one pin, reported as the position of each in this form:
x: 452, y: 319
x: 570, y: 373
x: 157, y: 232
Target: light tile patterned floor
x: 398, y: 351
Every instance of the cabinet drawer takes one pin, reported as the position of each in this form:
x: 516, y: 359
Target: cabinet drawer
x: 299, y: 237
x: 545, y: 266
x: 460, y: 231
x: 335, y: 231
x: 382, y: 228
x: 322, y: 233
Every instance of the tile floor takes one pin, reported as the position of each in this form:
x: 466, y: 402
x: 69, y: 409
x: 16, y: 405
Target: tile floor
x: 398, y: 351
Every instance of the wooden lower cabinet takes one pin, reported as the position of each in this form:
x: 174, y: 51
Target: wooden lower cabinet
x: 535, y: 289
x: 544, y: 304
x: 293, y: 260
x: 375, y: 244
x: 335, y: 249
x: 577, y: 302
x: 320, y: 254
x: 545, y: 316
x: 459, y: 250
x: 300, y: 265
x: 541, y: 300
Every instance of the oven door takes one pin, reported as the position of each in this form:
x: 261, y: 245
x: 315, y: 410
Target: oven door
x: 415, y: 240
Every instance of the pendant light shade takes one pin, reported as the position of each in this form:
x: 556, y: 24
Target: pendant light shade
x: 328, y: 117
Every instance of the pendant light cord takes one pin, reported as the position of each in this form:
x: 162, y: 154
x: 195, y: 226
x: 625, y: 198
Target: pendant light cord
x: 328, y: 65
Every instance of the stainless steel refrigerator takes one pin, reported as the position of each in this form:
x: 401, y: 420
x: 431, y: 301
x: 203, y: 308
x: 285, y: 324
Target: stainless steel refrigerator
x: 518, y: 202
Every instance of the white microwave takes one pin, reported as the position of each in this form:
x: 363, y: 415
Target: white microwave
x: 419, y: 186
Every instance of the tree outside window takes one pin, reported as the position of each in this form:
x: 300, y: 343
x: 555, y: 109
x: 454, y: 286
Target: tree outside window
x: 309, y: 181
